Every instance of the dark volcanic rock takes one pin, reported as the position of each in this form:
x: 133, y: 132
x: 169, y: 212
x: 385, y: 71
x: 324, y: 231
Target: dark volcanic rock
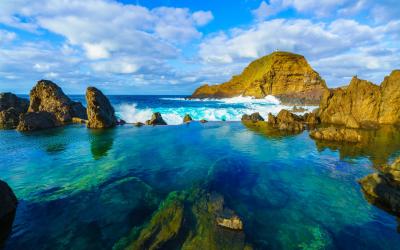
x: 100, y: 113
x: 11, y: 107
x: 8, y: 206
x: 46, y: 96
x: 156, y: 119
x: 255, y: 117
x: 36, y: 120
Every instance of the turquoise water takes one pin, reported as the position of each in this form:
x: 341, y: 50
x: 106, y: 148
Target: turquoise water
x: 85, y: 189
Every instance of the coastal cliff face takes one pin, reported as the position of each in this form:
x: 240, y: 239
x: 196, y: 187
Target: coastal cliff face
x: 362, y: 103
x: 282, y: 74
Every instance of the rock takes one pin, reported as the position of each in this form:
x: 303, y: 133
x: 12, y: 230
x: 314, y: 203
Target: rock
x: 36, y: 121
x: 121, y: 122
x: 286, y: 121
x: 362, y: 103
x: 203, y: 121
x: 336, y: 134
x: 255, y: 117
x: 311, y: 118
x: 78, y: 120
x: 11, y: 107
x: 282, y: 74
x: 296, y: 109
x: 100, y: 113
x: 233, y: 222
x: 46, y: 96
x: 8, y: 207
x: 138, y: 124
x: 187, y: 118
x: 156, y: 119
x: 383, y: 188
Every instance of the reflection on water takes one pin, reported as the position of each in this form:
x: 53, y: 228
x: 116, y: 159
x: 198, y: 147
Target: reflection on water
x: 103, y: 187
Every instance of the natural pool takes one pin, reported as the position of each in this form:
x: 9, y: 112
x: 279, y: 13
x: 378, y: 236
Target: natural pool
x: 85, y: 189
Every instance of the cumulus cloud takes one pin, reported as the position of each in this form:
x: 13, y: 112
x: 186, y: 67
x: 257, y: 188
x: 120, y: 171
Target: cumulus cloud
x: 6, y: 36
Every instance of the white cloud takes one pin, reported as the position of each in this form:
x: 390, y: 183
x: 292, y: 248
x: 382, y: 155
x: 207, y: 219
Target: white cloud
x: 6, y: 36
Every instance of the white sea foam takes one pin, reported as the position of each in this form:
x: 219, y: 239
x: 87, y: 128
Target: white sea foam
x: 130, y: 113
x: 270, y: 99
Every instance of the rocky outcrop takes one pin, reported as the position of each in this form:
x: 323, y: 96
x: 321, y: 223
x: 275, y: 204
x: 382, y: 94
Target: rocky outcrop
x: 297, y: 109
x: 255, y: 117
x: 100, y: 113
x: 286, y: 121
x: 36, y: 121
x: 383, y: 188
x: 203, y: 121
x: 362, y: 103
x: 8, y: 206
x: 187, y: 118
x: 11, y: 107
x: 156, y: 119
x: 46, y: 96
x: 282, y: 74
x: 336, y: 134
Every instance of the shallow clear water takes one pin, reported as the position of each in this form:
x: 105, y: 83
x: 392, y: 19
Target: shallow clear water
x: 85, y: 189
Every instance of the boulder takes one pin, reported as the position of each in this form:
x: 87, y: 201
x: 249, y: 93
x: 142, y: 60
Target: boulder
x: 8, y: 207
x: 362, y: 103
x: 156, y: 119
x: 255, y: 117
x: 336, y: 134
x: 187, y: 118
x: 285, y: 75
x: 383, y: 188
x: 11, y: 107
x: 36, y: 121
x: 286, y: 121
x: 46, y: 96
x: 100, y: 113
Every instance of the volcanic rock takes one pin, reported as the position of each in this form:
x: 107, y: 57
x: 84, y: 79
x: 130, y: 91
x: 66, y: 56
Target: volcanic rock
x: 11, y: 107
x: 286, y: 121
x: 100, y: 113
x: 36, y: 121
x: 255, y: 117
x: 187, y: 118
x: 336, y: 134
x: 8, y: 206
x: 156, y: 119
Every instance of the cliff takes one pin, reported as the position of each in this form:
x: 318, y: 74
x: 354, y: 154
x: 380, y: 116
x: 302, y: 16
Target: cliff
x: 282, y: 74
x: 362, y: 103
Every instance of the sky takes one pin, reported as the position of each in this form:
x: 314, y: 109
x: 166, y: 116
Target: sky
x: 174, y: 46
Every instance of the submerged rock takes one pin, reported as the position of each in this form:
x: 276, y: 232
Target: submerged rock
x: 285, y: 75
x: 46, y: 96
x: 11, y: 107
x: 156, y: 119
x: 255, y: 117
x: 336, y: 134
x: 233, y: 222
x: 8, y: 207
x: 100, y: 113
x: 187, y: 118
x: 383, y: 188
x: 36, y: 121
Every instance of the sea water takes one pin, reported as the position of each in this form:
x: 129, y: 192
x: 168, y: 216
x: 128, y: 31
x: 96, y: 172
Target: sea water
x: 88, y: 189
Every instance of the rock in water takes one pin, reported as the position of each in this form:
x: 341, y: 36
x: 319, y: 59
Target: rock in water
x: 187, y: 118
x: 362, y: 103
x: 100, y: 113
x: 282, y: 74
x: 36, y: 121
x: 8, y: 206
x: 255, y: 117
x: 11, y: 107
x: 286, y: 121
x: 383, y: 188
x: 46, y: 96
x: 336, y: 134
x: 156, y: 119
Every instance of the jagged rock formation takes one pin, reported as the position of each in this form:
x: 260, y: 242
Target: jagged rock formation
x: 282, y: 74
x: 383, y: 188
x: 156, y: 119
x: 46, y: 96
x: 100, y: 113
x: 286, y: 121
x: 8, y: 206
x: 36, y: 121
x: 362, y: 103
x: 336, y: 134
x: 11, y: 107
x: 187, y: 118
x: 255, y: 117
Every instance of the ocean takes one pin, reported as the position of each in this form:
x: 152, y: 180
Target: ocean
x: 90, y: 189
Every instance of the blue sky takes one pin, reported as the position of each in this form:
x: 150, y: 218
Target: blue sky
x: 173, y: 46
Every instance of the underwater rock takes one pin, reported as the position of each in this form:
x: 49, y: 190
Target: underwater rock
x: 285, y: 75
x: 383, y: 188
x: 255, y: 117
x: 100, y: 113
x: 156, y: 119
x: 286, y: 121
x: 362, y: 103
x: 31, y: 121
x: 8, y: 207
x: 46, y: 96
x: 233, y: 222
x: 336, y: 134
x: 11, y: 107
x: 187, y: 118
